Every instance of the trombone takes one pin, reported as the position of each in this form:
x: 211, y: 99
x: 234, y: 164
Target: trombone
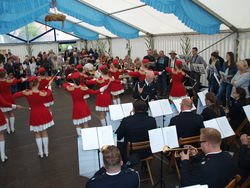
x: 177, y: 151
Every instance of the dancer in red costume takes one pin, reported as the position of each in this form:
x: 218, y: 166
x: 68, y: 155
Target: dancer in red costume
x: 5, y: 91
x: 81, y: 112
x: 103, y: 100
x: 3, y: 126
x: 177, y: 90
x: 40, y: 117
x: 116, y: 87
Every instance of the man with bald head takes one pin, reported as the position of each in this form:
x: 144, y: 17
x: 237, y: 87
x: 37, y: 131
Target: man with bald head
x: 187, y: 123
x: 146, y: 89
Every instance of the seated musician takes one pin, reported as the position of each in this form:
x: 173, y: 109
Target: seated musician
x: 146, y: 89
x: 214, y: 168
x: 135, y: 128
x: 187, y: 123
x: 244, y: 157
x: 114, y: 173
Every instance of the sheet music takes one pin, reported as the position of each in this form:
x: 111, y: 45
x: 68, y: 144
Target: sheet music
x: 90, y: 139
x: 155, y: 108
x: 177, y: 103
x: 199, y: 68
x: 225, y: 127
x: 247, y: 111
x: 202, y: 96
x: 165, y: 107
x: 127, y: 108
x: 156, y: 140
x: 170, y: 137
x: 116, y: 112
x: 105, y: 136
x: 212, y: 123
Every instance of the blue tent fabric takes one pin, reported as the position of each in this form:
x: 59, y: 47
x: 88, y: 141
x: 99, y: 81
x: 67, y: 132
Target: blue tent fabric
x: 72, y: 28
x: 189, y: 13
x: 96, y: 18
x: 14, y: 21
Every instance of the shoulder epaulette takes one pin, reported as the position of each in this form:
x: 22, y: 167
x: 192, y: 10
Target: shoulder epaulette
x: 27, y: 92
x: 43, y: 93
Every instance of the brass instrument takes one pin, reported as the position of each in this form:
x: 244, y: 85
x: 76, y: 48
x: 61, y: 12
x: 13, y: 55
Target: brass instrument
x: 178, y: 150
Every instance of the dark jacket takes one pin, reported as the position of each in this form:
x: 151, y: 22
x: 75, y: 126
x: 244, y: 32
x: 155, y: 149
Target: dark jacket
x: 236, y: 114
x: 215, y: 170
x: 231, y: 71
x: 149, y: 91
x: 127, y: 178
x: 160, y: 66
x: 208, y: 114
x: 72, y: 60
x: 188, y: 124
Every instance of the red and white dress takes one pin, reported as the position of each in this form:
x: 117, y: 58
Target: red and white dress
x: 40, y: 117
x: 103, y: 100
x: 4, y: 103
x: 43, y: 85
x: 116, y: 87
x: 141, y: 74
x: 5, y: 91
x: 81, y: 112
x: 177, y: 90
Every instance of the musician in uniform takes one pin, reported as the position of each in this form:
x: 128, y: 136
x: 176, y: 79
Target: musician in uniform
x: 215, y: 168
x: 114, y: 173
x: 146, y: 89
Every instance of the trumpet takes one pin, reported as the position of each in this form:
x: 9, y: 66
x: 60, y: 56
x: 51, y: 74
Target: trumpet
x: 178, y: 150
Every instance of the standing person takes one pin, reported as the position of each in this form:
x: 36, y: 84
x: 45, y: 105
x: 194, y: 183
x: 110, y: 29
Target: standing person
x: 32, y: 66
x: 220, y: 58
x: 172, y: 60
x: 213, y: 109
x: 57, y: 69
x: 196, y: 59
x: 103, y: 100
x: 151, y: 59
x: 213, y: 73
x: 116, y: 87
x: 241, y: 78
x: 40, y: 117
x: 5, y: 91
x: 3, y: 126
x: 161, y: 64
x: 177, y: 90
x: 229, y: 68
x: 81, y: 112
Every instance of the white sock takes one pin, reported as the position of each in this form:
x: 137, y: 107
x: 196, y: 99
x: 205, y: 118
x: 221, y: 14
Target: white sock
x: 118, y: 100
x: 8, y: 126
x: 78, y: 131
x: 46, y: 145
x: 39, y: 146
x: 114, y: 101
x: 103, y: 122
x: 2, y: 151
x: 12, y: 124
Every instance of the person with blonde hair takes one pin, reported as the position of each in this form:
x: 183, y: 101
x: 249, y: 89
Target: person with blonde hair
x: 113, y: 173
x: 241, y: 78
x: 214, y: 168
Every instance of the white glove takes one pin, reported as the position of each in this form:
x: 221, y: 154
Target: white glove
x: 13, y: 106
x: 102, y: 89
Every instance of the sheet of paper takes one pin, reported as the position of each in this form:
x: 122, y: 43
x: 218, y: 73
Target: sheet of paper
x: 89, y: 138
x: 225, y: 127
x: 105, y: 136
x: 177, y: 103
x: 115, y: 124
x: 247, y: 111
x: 165, y: 107
x: 156, y: 140
x: 212, y: 123
x: 202, y: 95
x: 170, y: 137
x: 127, y: 109
x: 116, y: 112
x: 155, y: 108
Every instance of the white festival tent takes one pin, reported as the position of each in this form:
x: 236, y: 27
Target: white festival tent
x: 165, y: 30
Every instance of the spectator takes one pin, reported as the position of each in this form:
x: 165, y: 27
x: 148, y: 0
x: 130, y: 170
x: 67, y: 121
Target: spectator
x: 151, y: 59
x: 32, y: 66
x: 9, y: 66
x: 172, y: 60
x: 220, y: 58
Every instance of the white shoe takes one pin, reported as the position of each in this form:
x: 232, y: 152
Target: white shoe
x: 40, y: 155
x: 4, y: 158
x: 46, y: 155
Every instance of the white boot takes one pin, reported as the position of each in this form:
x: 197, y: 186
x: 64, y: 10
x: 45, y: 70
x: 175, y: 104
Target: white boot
x: 118, y: 100
x: 8, y: 126
x: 114, y: 101
x: 46, y: 145
x: 2, y: 151
x: 78, y: 131
x: 12, y: 124
x: 103, y: 122
x: 39, y: 146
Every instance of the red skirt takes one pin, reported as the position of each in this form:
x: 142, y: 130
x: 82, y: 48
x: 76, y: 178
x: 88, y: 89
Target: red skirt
x: 177, y: 90
x: 81, y: 113
x: 48, y: 101
x: 3, y: 123
x: 103, y: 100
x: 116, y: 88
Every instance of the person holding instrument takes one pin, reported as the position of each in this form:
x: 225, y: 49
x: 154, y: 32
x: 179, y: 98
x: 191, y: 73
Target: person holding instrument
x: 214, y: 168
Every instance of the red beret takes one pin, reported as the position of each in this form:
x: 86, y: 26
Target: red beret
x: 103, y: 67
x: 74, y: 75
x: 41, y: 69
x: 32, y: 78
x: 115, y: 62
x: 2, y: 70
x: 145, y: 61
x: 178, y: 62
x: 79, y: 66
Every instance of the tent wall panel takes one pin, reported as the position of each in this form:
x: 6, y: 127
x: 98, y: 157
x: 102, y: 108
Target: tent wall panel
x: 244, y: 46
